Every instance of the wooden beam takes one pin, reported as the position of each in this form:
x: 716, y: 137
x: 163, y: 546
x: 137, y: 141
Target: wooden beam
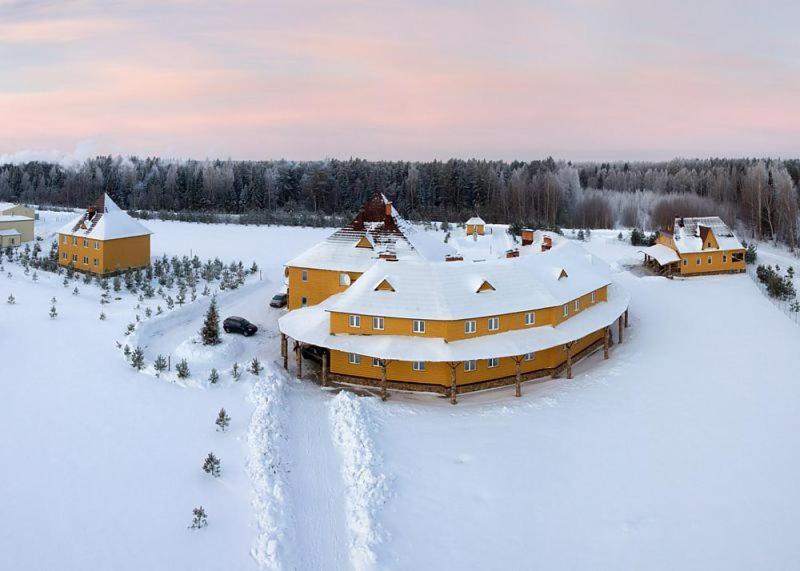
x: 324, y: 368
x: 626, y: 318
x: 569, y: 360
x: 606, y: 335
x: 453, y: 385
x: 518, y: 379
x: 619, y: 327
x: 384, y: 389
x: 285, y: 350
x: 299, y: 358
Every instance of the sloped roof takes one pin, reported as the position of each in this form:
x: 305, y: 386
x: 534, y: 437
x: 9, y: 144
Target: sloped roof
x: 380, y: 222
x: 688, y: 237
x: 447, y: 290
x: 14, y: 218
x: 475, y: 220
x: 662, y: 254
x: 104, y: 220
x: 10, y: 232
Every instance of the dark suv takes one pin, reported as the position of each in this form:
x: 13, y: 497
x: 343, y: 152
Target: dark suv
x: 279, y: 300
x: 239, y: 325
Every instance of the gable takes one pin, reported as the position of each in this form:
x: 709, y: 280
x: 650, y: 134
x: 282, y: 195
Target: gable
x: 384, y: 286
x: 364, y: 242
x: 708, y: 237
x: 485, y: 286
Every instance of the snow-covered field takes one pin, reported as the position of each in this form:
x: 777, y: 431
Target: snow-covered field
x: 680, y: 452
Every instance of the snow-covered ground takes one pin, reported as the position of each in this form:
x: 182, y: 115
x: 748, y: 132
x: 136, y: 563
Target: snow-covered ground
x: 680, y: 452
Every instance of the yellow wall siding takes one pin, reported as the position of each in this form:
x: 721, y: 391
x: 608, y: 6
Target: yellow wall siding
x: 471, y: 228
x: 455, y: 330
x: 111, y: 255
x: 320, y: 285
x: 439, y: 373
x: 667, y: 241
x: 689, y: 262
x: 24, y: 227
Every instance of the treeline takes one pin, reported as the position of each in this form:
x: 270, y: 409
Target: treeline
x: 762, y: 195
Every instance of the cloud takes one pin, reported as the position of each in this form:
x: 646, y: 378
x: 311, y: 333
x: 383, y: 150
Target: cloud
x: 81, y: 152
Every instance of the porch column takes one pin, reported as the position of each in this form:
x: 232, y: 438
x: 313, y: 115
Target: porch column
x: 619, y: 327
x: 384, y: 389
x: 285, y: 350
x: 299, y: 357
x: 569, y: 360
x: 626, y: 318
x: 324, y: 368
x: 518, y: 372
x: 453, y: 386
x: 606, y: 335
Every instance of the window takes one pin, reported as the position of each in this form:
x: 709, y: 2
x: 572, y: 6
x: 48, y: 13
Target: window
x: 493, y: 362
x: 65, y: 239
x: 344, y: 280
x: 593, y: 297
x: 528, y: 356
x: 74, y: 240
x: 469, y: 327
x: 96, y: 262
x: 724, y: 258
x: 96, y: 245
x: 304, y: 275
x: 85, y: 243
x: 419, y: 326
x: 709, y: 259
x: 698, y: 260
x: 86, y: 260
x: 685, y: 262
x: 469, y: 366
x: 530, y: 318
x: 577, y: 304
x: 737, y: 257
x: 64, y: 255
x: 377, y: 323
x: 354, y: 359
x: 494, y: 323
x: 376, y: 362
x: 565, y: 310
x: 355, y: 321
x: 303, y: 301
x: 418, y: 365
x: 74, y: 257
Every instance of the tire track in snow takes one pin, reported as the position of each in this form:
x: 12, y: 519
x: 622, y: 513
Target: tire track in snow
x: 366, y: 487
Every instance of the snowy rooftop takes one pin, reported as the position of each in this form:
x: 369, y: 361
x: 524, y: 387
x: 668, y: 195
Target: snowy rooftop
x: 14, y: 218
x: 108, y: 222
x: 449, y: 290
x: 493, y: 244
x: 662, y: 254
x: 475, y: 220
x: 688, y: 234
x: 7, y: 205
x: 10, y: 232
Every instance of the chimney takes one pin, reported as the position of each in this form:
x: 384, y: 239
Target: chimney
x: 514, y: 253
x: 454, y: 258
x: 527, y: 236
x: 388, y: 256
x: 388, y: 209
x: 547, y: 243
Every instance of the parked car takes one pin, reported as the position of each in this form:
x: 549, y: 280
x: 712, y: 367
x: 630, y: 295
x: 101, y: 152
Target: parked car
x: 279, y: 300
x: 239, y: 325
x: 313, y: 353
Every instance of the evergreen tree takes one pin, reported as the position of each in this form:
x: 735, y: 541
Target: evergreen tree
x: 212, y: 465
x: 75, y: 291
x: 137, y: 359
x: 255, y: 366
x: 127, y: 352
x: 213, y: 378
x: 236, y: 373
x: 182, y: 369
x: 53, y: 312
x: 199, y: 518
x: 102, y: 315
x: 11, y: 299
x: 223, y: 420
x: 160, y: 365
x: 210, y: 331
x: 116, y: 283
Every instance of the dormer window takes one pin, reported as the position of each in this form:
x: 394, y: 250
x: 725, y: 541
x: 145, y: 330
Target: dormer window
x: 485, y: 286
x: 354, y: 321
x: 384, y: 286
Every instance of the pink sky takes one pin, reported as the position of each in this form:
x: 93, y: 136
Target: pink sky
x: 592, y: 79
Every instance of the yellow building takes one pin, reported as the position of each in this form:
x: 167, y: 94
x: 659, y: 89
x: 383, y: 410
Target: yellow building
x: 696, y: 246
x: 334, y: 264
x: 457, y: 326
x: 476, y: 225
x: 104, y: 240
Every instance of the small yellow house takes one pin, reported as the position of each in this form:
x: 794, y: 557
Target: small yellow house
x: 10, y: 238
x: 104, y: 240
x: 16, y: 218
x: 476, y: 225
x: 696, y: 246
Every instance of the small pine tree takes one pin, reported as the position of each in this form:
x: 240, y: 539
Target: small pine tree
x: 137, y: 359
x: 619, y: 236
x: 199, y: 518
x: 254, y: 268
x: 53, y: 312
x: 116, y: 283
x: 236, y: 373
x: 255, y: 366
x: 148, y: 312
x: 126, y: 350
x: 130, y: 328
x: 102, y: 315
x: 182, y: 368
x: 212, y: 465
x: 65, y: 283
x: 35, y: 276
x: 213, y: 378
x: 75, y: 291
x: 223, y: 420
x: 53, y: 300
x: 160, y: 365
x: 11, y: 299
x: 581, y: 235
x: 210, y: 330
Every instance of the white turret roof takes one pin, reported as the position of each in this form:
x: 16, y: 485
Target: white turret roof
x: 109, y: 222
x: 476, y: 220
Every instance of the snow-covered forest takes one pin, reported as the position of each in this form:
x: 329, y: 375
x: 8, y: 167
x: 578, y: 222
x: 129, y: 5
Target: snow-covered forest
x: 760, y: 195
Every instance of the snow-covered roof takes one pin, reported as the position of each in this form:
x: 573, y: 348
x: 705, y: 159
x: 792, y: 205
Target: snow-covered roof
x: 662, y: 254
x: 493, y: 244
x: 385, y: 229
x: 311, y: 325
x: 475, y: 220
x: 105, y: 221
x: 447, y: 290
x: 9, y: 232
x: 7, y: 205
x: 14, y: 218
x: 688, y: 232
